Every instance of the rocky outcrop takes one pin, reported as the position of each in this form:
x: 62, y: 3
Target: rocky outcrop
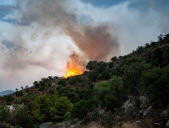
x: 63, y: 124
x: 147, y: 111
x: 144, y: 102
x: 46, y: 125
x: 167, y: 124
x: 129, y: 105
x: 4, y: 125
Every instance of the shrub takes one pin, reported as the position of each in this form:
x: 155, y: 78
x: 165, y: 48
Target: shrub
x: 82, y: 108
x: 4, y: 112
x: 21, y: 117
x: 93, y: 75
x: 109, y: 93
x: 61, y: 106
x: 156, y: 85
x: 62, y: 82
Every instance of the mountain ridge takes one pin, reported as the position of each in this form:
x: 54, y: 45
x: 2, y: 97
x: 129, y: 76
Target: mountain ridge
x: 6, y: 92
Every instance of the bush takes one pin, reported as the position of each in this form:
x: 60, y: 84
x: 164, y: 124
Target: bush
x: 22, y: 118
x: 19, y: 93
x: 4, y: 112
x: 9, y: 99
x: 105, y: 75
x: 82, y: 108
x: 109, y: 93
x: 62, y: 82
x: 91, y: 65
x: 156, y: 85
x: 93, y: 75
x: 61, y: 106
x: 68, y: 92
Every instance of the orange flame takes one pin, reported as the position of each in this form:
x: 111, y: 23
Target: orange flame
x: 73, y: 69
x: 75, y: 65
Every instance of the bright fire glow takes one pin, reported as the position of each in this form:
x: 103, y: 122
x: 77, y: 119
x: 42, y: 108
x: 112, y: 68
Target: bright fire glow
x: 73, y: 69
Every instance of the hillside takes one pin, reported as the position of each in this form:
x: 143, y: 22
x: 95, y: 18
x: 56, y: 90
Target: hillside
x: 130, y: 91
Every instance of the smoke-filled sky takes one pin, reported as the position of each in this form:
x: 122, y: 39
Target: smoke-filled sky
x: 38, y: 37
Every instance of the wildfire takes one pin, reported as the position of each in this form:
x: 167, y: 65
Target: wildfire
x: 74, y: 66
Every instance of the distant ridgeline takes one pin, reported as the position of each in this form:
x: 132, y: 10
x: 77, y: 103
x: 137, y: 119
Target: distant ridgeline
x: 7, y: 92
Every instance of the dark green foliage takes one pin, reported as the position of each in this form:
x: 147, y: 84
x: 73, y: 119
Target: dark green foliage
x: 97, y: 66
x: 42, y: 88
x: 113, y: 59
x: 19, y: 93
x: 46, y: 108
x: 105, y: 75
x: 82, y: 108
x: 62, y: 82
x: 61, y: 106
x: 132, y: 76
x: 110, y: 64
x: 84, y: 93
x: 93, y: 75
x: 109, y: 93
x: 4, y: 112
x: 36, y: 84
x: 91, y: 65
x: 68, y: 92
x: 101, y: 66
x: 156, y: 82
x: 22, y: 118
x: 9, y: 99
x: 90, y: 84
x: 75, y: 80
x: 160, y: 56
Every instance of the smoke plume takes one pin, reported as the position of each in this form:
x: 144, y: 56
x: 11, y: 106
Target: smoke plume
x: 38, y: 37
x: 96, y: 42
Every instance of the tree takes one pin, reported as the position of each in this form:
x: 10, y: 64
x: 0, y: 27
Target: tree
x: 43, y: 104
x: 68, y: 92
x: 91, y: 65
x: 62, y: 82
x: 9, y: 99
x: 82, y: 108
x: 101, y: 66
x: 22, y: 118
x: 93, y: 75
x: 113, y: 59
x: 19, y: 93
x: 36, y: 84
x: 156, y: 85
x: 109, y: 93
x: 4, y: 112
x: 61, y: 106
x: 105, y: 75
x: 132, y: 75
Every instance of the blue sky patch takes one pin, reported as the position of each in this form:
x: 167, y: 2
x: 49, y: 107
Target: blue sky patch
x: 10, y: 45
x: 104, y: 3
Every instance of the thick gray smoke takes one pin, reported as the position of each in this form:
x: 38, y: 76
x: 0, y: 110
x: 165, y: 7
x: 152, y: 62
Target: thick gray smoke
x: 96, y: 42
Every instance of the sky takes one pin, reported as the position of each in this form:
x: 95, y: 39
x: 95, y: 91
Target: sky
x: 37, y: 38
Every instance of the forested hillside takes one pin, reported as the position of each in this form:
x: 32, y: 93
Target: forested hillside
x: 130, y: 88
